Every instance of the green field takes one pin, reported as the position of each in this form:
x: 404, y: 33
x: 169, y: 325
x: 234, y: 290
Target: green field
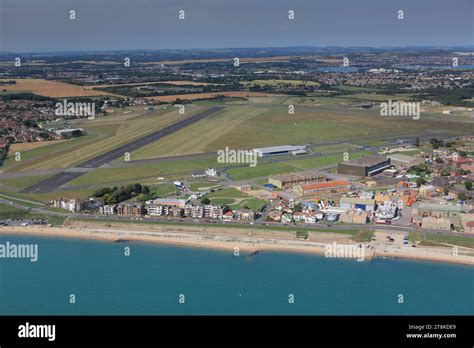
x: 203, y: 186
x: 439, y: 240
x: 265, y: 169
x: 228, y: 193
x: 163, y: 190
x: 251, y: 203
x: 10, y: 212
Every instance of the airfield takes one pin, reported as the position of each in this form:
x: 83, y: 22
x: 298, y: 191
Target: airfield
x: 328, y: 126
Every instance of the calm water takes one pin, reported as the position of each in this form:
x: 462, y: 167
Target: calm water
x: 150, y: 280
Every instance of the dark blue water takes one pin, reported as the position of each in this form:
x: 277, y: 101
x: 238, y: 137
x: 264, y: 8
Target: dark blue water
x: 150, y: 280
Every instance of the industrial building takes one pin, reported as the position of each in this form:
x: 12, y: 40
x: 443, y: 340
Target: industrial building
x: 332, y: 186
x: 432, y: 223
x: 283, y: 181
x: 405, y: 159
x: 281, y: 150
x: 364, y: 166
x: 439, y: 210
x: 357, y: 203
x: 354, y: 216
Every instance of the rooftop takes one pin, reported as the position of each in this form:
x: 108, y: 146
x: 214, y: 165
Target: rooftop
x: 325, y: 185
x: 357, y: 200
x: 305, y: 175
x: 281, y: 148
x: 366, y: 161
x: 441, y: 207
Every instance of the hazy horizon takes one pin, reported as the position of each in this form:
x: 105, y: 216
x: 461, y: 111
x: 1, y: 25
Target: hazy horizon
x: 39, y: 26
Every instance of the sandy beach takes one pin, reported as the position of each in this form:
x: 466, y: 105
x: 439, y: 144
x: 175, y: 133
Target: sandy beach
x: 231, y: 239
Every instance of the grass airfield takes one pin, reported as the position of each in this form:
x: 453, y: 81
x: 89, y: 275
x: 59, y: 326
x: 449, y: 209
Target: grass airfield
x: 245, y: 123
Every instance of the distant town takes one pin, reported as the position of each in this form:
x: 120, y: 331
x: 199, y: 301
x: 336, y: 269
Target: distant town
x: 350, y: 142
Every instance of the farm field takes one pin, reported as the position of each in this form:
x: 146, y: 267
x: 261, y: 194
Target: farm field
x: 51, y: 89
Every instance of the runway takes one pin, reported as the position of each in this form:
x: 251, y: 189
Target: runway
x: 57, y: 180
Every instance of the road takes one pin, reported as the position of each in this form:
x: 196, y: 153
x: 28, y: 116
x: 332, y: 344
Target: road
x: 56, y: 181
x: 257, y: 223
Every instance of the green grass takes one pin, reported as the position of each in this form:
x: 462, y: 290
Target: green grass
x: 374, y: 97
x: 326, y: 149
x: 110, y: 132
x: 164, y: 189
x: 25, y: 181
x: 151, y: 171
x: 252, y: 203
x: 307, y: 162
x: 227, y: 193
x: 203, y: 186
x: 358, y: 89
x: 222, y: 201
x: 428, y: 239
x: 264, y: 169
x: 10, y: 212
x: 18, y: 201
x: 363, y: 236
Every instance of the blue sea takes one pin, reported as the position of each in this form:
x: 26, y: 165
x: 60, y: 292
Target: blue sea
x: 151, y: 279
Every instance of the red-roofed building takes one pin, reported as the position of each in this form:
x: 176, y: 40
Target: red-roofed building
x: 469, y: 227
x: 459, y: 161
x: 332, y: 186
x: 468, y: 167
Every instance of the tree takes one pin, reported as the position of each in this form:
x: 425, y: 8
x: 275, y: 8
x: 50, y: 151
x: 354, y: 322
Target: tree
x: 438, y: 160
x: 468, y: 185
x: 205, y: 200
x: 446, y: 191
x: 417, y: 142
x: 420, y: 181
x: 462, y: 196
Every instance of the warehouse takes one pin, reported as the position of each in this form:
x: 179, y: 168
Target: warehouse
x: 286, y: 180
x: 439, y: 210
x: 281, y: 150
x: 332, y: 186
x: 364, y: 166
x: 357, y: 203
x: 405, y: 159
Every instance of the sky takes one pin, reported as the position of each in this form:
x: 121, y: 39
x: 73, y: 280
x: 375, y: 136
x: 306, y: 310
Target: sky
x: 45, y: 25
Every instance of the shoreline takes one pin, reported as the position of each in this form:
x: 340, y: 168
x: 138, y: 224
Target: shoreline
x: 228, y: 243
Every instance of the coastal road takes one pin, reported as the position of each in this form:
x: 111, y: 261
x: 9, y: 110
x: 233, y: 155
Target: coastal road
x: 54, y: 182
